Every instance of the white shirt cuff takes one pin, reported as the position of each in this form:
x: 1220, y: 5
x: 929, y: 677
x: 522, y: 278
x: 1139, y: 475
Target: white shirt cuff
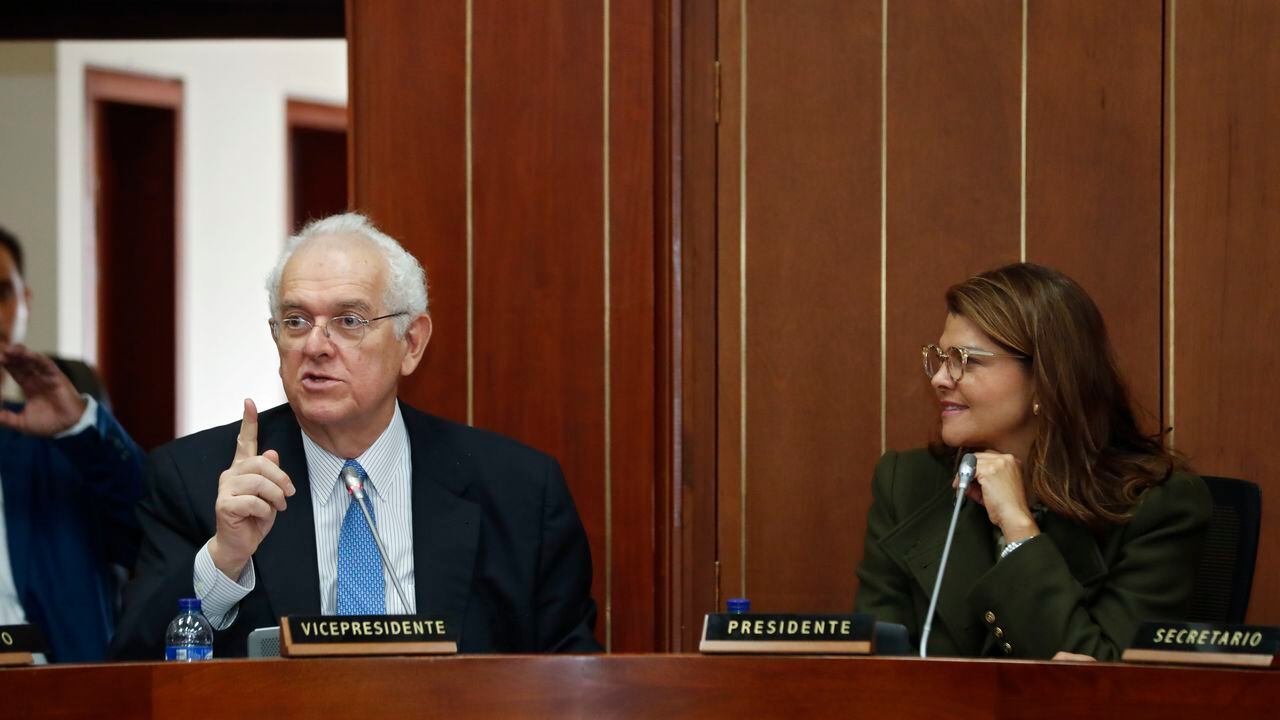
x: 219, y: 595
x: 88, y: 419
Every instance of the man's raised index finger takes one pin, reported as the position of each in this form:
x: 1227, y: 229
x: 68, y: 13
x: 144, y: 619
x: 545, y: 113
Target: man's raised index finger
x: 247, y: 441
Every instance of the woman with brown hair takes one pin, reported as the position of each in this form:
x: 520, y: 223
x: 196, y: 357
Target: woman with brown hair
x: 1080, y: 526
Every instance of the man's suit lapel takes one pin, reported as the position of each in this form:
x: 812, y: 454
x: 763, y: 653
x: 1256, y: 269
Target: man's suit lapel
x: 446, y: 528
x: 16, y: 474
x: 286, y: 559
x: 916, y: 545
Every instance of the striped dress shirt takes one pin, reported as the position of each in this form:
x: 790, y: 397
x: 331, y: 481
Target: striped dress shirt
x: 389, y: 490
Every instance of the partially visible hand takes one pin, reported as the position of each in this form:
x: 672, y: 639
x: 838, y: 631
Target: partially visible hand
x: 52, y: 404
x: 250, y: 493
x: 997, y: 486
x: 1074, y: 657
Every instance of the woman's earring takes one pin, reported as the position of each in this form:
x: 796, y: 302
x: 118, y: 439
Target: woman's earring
x: 1035, y: 408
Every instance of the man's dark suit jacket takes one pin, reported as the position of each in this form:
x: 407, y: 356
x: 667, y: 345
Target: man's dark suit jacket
x: 69, y: 515
x: 498, y: 548
x: 1067, y: 590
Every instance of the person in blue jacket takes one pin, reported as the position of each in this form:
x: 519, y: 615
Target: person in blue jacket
x: 70, y: 477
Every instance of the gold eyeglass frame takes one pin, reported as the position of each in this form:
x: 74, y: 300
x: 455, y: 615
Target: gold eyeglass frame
x: 944, y: 357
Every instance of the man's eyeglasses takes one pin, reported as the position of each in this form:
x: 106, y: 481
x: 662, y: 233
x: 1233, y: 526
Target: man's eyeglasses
x: 955, y: 358
x: 346, y: 331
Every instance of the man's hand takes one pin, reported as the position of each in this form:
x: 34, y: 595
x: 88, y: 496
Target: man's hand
x: 997, y: 486
x: 52, y: 406
x: 250, y: 493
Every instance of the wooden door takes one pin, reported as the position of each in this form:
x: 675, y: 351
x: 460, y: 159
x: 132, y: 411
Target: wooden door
x: 135, y: 130
x: 316, y: 161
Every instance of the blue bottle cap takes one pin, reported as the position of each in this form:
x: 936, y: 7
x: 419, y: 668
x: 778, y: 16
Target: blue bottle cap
x: 189, y: 604
x: 738, y: 606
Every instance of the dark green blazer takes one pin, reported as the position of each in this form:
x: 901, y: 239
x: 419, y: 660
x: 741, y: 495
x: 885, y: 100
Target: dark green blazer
x: 1064, y: 590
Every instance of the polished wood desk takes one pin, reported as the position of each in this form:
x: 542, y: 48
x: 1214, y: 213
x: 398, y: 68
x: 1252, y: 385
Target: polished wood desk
x: 641, y: 686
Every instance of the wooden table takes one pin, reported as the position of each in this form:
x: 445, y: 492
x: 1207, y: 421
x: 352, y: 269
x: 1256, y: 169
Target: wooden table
x: 643, y: 686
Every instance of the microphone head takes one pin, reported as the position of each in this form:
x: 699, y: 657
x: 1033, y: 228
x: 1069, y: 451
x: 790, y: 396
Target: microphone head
x: 968, y: 465
x: 352, y: 480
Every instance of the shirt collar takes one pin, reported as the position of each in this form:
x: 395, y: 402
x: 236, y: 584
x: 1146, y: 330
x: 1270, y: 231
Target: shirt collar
x: 379, y: 462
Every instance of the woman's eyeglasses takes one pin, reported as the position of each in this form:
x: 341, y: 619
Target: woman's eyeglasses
x: 955, y: 358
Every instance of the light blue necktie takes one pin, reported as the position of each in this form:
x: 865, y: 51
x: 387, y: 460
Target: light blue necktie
x: 361, y: 588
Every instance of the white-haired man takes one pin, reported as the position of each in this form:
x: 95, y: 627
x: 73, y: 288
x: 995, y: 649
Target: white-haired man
x: 478, y: 529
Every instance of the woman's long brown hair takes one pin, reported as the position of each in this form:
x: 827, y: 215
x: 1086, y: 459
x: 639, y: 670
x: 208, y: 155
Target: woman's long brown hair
x: 1089, y: 461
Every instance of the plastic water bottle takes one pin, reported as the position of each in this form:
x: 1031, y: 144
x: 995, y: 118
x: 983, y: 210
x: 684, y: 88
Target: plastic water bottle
x: 738, y: 606
x: 190, y: 636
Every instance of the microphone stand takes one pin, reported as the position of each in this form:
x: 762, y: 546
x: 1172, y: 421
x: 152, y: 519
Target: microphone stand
x: 968, y: 465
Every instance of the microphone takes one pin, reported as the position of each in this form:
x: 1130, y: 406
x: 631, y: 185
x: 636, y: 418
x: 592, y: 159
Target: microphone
x: 968, y: 465
x: 355, y: 486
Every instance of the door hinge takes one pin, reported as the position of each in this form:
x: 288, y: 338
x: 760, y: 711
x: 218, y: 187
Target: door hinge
x: 717, y: 113
x: 717, y: 606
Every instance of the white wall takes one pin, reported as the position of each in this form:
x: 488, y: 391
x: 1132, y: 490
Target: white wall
x: 233, y: 196
x: 28, y: 197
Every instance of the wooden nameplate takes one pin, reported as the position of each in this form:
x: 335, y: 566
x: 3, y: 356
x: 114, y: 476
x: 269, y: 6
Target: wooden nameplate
x: 19, y: 644
x: 787, y: 634
x: 1206, y: 644
x: 8, y: 659
x: 310, y: 636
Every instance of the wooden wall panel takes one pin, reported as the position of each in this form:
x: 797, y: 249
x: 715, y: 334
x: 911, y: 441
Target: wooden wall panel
x: 634, y: 404
x: 696, y: 330
x: 407, y: 77
x: 730, y: 446
x: 1225, y: 314
x: 550, y: 155
x: 954, y: 130
x: 1094, y: 190
x: 811, y: 241
x: 539, y: 247
x: 567, y: 168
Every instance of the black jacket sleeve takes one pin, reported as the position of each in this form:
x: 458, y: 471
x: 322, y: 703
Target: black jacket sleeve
x: 170, y: 541
x: 565, y: 611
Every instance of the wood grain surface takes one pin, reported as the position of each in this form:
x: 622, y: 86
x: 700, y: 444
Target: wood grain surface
x: 637, y: 686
